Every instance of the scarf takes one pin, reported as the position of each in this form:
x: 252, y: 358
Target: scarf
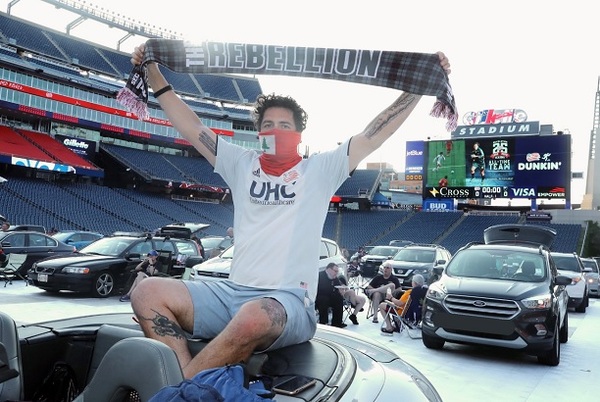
x: 415, y: 73
x: 280, y: 151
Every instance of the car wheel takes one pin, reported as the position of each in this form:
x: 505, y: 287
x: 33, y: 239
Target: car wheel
x: 581, y: 308
x: 103, y: 285
x: 432, y: 342
x: 552, y: 356
x: 564, y: 331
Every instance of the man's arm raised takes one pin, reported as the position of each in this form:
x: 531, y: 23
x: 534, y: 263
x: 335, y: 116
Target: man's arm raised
x: 185, y: 121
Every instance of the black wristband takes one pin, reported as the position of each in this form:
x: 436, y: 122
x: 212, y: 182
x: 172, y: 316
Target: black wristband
x: 162, y: 91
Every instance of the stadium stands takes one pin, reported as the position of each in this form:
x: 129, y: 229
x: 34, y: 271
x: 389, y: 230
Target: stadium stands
x: 14, y: 144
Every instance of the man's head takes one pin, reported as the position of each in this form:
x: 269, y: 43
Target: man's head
x: 296, y: 120
x: 387, y: 269
x: 418, y: 280
x: 153, y: 254
x: 5, y: 226
x: 332, y: 270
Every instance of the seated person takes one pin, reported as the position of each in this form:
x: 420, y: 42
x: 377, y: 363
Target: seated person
x: 353, y: 269
x: 379, y: 285
x: 148, y: 267
x: 357, y: 301
x: 329, y: 296
x: 400, y: 303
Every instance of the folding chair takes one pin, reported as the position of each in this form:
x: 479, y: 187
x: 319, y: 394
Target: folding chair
x: 409, y: 319
x: 11, y: 267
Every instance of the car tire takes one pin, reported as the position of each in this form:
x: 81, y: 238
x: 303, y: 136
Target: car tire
x: 104, y: 285
x: 432, y: 342
x: 552, y: 356
x: 582, y: 306
x: 564, y: 330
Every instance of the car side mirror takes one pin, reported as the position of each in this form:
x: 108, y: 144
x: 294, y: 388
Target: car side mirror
x: 562, y: 280
x: 439, y: 269
x: 440, y: 262
x: 133, y: 256
x: 193, y: 260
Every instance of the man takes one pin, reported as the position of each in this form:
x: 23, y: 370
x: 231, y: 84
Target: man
x: 380, y: 286
x: 268, y: 301
x: 148, y: 267
x: 5, y: 226
x: 330, y: 296
x: 477, y: 161
x: 443, y: 182
x: 400, y: 303
x: 438, y: 161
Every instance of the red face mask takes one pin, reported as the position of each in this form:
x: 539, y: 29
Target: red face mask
x: 280, y: 150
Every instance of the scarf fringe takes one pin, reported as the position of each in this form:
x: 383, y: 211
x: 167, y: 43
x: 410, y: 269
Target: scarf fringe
x: 132, y: 103
x: 442, y: 109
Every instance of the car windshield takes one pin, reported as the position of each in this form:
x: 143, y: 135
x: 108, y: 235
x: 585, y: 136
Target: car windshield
x: 112, y: 246
x: 211, y: 242
x: 566, y: 263
x: 415, y: 255
x: 228, y: 253
x: 503, y: 265
x: 384, y: 251
x: 590, y: 264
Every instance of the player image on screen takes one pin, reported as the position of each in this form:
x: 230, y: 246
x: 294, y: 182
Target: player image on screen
x: 477, y: 161
x: 438, y: 161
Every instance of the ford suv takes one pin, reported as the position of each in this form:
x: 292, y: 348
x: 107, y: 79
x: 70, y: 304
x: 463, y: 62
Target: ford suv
x: 418, y: 259
x: 507, y: 293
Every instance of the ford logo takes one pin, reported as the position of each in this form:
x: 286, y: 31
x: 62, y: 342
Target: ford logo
x: 479, y: 303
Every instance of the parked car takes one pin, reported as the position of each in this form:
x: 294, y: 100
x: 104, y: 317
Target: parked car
x: 103, y: 268
x: 569, y: 264
x: 77, y: 238
x: 218, y: 267
x: 418, y: 259
x: 591, y: 276
x: 35, y: 245
x: 347, y: 366
x: 480, y: 300
x: 370, y: 262
x: 214, y: 245
x: 31, y: 228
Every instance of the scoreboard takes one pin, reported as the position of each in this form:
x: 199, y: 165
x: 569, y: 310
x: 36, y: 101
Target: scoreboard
x: 506, y: 167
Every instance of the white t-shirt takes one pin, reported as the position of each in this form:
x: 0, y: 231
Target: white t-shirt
x: 278, y: 221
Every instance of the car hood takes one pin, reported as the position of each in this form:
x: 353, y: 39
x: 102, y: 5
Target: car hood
x: 375, y: 258
x: 74, y: 260
x: 486, y: 287
x: 215, y: 264
x: 410, y: 265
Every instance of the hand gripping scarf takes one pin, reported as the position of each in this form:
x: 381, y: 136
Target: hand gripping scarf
x: 415, y: 73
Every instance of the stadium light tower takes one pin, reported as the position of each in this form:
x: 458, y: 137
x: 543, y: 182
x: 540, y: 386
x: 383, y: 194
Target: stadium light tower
x: 591, y: 199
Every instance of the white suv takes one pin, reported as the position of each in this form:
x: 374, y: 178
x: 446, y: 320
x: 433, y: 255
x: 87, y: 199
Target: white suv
x: 569, y: 264
x: 218, y: 267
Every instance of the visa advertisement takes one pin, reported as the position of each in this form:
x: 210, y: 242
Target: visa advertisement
x: 518, y: 167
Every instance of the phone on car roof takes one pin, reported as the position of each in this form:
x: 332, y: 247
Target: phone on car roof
x: 294, y: 385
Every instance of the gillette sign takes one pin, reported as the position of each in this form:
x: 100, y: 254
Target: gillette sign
x: 82, y: 147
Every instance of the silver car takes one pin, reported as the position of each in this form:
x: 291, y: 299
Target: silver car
x: 218, y: 267
x: 591, y: 276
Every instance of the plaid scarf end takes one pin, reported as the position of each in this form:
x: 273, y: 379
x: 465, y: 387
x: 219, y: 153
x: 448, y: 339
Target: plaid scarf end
x: 441, y: 109
x: 132, y: 103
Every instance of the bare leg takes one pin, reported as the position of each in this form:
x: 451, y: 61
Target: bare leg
x: 164, y: 309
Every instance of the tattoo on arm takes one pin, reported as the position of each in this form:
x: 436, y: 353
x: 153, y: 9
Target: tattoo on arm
x: 399, y: 106
x: 165, y: 327
x: 207, y: 140
x: 275, y: 311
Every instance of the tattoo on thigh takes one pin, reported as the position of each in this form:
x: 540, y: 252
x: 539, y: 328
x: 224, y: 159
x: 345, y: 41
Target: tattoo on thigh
x: 163, y: 326
x: 399, y: 106
x: 275, y: 312
x: 207, y: 140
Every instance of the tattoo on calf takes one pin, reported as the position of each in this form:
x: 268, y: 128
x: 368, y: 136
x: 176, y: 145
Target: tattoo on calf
x: 207, y: 140
x: 399, y: 106
x: 275, y: 312
x: 163, y: 326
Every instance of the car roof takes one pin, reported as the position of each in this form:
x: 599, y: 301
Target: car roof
x: 519, y: 234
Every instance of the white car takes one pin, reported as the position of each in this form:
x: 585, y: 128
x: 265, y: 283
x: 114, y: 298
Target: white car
x: 569, y: 264
x: 218, y: 267
x: 591, y: 275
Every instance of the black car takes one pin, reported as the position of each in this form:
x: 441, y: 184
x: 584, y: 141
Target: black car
x: 34, y: 245
x: 504, y: 293
x: 370, y: 262
x: 103, y: 268
x: 418, y: 259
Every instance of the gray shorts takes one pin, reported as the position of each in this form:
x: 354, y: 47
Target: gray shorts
x: 216, y: 302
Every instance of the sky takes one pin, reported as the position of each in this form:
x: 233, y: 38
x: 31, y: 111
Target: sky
x: 538, y: 56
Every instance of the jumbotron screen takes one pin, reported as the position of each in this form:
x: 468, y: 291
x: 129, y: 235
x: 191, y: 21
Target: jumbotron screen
x: 509, y: 167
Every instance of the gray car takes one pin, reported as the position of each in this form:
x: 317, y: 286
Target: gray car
x: 591, y: 276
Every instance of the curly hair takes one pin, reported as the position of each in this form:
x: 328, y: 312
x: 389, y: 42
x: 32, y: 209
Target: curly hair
x: 264, y: 102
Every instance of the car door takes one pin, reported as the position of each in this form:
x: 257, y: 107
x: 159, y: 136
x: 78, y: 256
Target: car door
x: 560, y: 291
x: 39, y: 246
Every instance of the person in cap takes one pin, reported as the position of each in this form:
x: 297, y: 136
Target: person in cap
x: 148, y: 267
